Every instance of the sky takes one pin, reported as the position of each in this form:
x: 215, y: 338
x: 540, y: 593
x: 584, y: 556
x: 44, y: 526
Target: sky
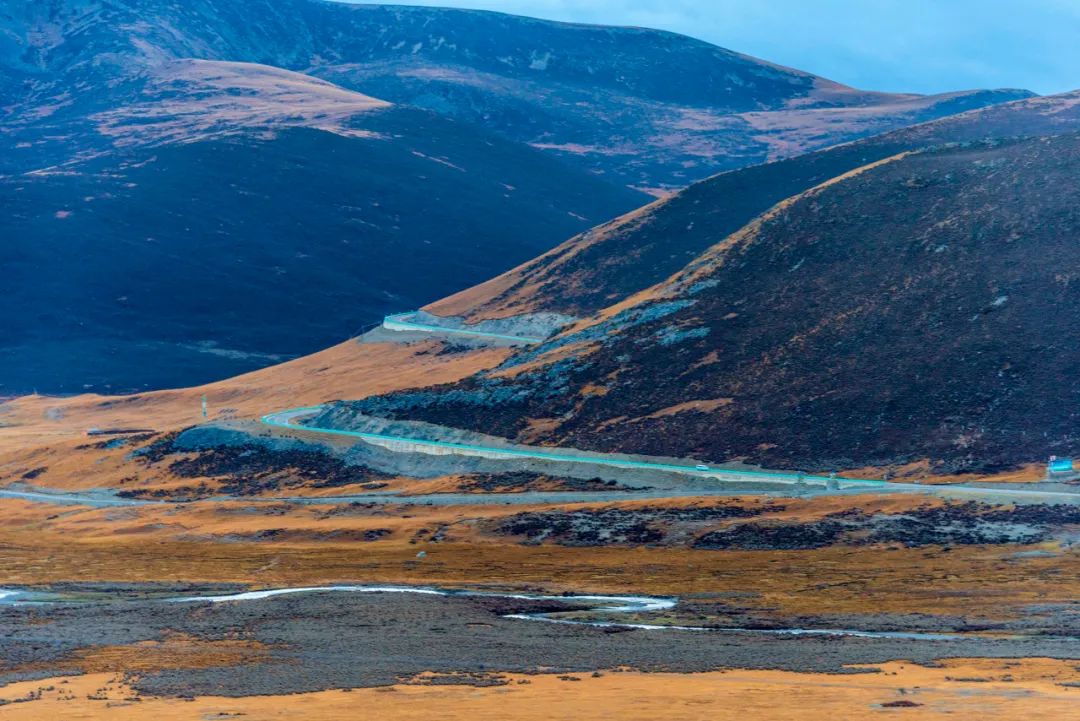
x: 924, y: 46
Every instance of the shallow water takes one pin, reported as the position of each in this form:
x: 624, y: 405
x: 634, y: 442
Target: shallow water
x: 606, y: 605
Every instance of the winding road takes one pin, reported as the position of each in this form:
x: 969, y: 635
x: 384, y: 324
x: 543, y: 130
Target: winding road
x: 287, y: 419
x: 403, y: 322
x: 728, y: 481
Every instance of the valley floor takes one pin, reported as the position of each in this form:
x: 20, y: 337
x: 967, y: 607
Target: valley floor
x: 997, y: 579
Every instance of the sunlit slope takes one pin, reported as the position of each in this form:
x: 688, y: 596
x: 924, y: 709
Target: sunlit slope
x: 347, y: 370
x: 608, y: 263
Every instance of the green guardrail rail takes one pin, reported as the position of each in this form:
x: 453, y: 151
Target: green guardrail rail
x: 271, y: 420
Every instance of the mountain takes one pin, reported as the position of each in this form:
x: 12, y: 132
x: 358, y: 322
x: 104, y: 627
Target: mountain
x: 606, y: 264
x: 648, y: 108
x: 165, y: 266
x: 197, y: 189
x: 914, y: 309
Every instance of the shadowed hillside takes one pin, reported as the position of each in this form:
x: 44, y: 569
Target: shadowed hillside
x: 610, y: 262
x: 197, y: 189
x: 191, y: 262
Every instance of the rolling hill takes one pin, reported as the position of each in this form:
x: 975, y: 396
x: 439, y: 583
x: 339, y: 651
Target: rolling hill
x: 647, y: 108
x: 914, y: 309
x: 606, y: 264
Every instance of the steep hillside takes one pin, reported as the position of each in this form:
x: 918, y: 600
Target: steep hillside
x: 917, y: 308
x: 184, y: 263
x: 649, y: 108
x: 606, y: 264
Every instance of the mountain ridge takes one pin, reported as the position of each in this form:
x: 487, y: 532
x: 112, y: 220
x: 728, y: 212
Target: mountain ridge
x: 120, y: 105
x: 908, y: 310
x: 619, y: 101
x: 607, y: 263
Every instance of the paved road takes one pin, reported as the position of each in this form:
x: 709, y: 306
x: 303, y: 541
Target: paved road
x: 287, y: 419
x: 727, y: 480
x: 402, y: 322
x: 98, y: 499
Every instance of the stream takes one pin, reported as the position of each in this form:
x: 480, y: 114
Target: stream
x: 604, y: 607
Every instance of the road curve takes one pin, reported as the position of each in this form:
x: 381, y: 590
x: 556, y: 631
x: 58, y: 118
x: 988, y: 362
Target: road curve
x: 401, y: 322
x: 103, y: 498
x: 287, y: 419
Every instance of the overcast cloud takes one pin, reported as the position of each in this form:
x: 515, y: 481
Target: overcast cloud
x: 897, y: 45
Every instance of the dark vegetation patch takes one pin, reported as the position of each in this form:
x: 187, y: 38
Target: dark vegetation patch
x: 949, y: 525
x: 612, y: 525
x: 297, y: 535
x: 34, y: 473
x: 112, y: 443
x: 450, y: 348
x: 521, y: 481
x: 968, y: 523
x: 252, y: 470
x: 160, y: 449
x: 953, y: 524
x: 783, y: 537
x: 355, y: 508
x: 178, y: 494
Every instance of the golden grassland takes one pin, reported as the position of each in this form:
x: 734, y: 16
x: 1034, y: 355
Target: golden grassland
x: 173, y: 652
x: 345, y: 371
x: 1030, y: 689
x: 43, y: 544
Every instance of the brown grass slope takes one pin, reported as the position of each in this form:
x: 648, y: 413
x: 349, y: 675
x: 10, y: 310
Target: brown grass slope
x: 643, y: 107
x: 614, y: 260
x: 50, y: 425
x: 919, y: 309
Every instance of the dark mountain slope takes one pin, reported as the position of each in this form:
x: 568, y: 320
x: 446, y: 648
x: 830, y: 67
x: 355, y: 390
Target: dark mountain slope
x: 136, y: 105
x: 188, y: 262
x: 922, y: 308
x: 649, y: 108
x: 608, y: 263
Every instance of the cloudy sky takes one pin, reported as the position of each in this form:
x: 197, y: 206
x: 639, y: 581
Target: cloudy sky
x: 897, y: 45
